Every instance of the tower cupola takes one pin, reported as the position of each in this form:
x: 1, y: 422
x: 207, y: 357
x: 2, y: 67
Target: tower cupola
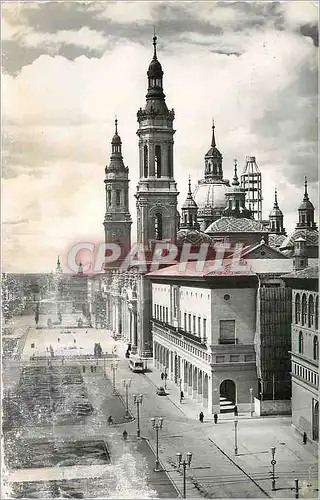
x: 116, y: 160
x: 236, y: 198
x: 189, y: 211
x: 306, y: 211
x: 213, y: 160
x: 276, y: 217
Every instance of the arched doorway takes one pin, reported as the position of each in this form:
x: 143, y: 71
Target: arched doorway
x: 228, y: 390
x: 315, y: 420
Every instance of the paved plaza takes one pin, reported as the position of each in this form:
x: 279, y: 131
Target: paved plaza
x: 215, y: 472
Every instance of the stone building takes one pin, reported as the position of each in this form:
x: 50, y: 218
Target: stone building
x: 305, y: 349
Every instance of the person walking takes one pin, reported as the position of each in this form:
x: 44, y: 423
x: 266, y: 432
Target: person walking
x: 110, y: 420
x: 162, y: 375
x: 235, y: 411
x: 201, y: 416
x: 125, y: 435
x: 83, y: 368
x: 215, y: 418
x: 181, y: 396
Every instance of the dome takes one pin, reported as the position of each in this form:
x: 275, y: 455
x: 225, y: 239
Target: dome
x: 276, y: 212
x: 306, y: 205
x: 155, y: 68
x: 234, y: 225
x: 192, y: 236
x: 116, y: 139
x: 209, y: 194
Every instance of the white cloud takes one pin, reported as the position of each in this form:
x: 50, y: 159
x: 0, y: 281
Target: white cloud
x: 84, y: 37
x: 127, y: 12
x: 298, y: 13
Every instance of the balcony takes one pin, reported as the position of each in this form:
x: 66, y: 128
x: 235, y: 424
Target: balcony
x: 182, y: 334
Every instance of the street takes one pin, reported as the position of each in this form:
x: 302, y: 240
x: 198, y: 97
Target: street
x: 215, y: 471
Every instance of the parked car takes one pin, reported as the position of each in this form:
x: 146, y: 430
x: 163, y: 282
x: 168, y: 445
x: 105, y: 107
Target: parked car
x: 161, y: 391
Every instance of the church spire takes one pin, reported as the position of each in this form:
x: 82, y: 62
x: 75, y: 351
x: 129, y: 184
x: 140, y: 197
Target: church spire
x: 276, y: 217
x: 213, y: 140
x: 116, y: 160
x: 213, y: 161
x: 306, y: 210
x: 235, y: 181
x: 189, y: 211
x: 58, y: 266
x: 154, y: 44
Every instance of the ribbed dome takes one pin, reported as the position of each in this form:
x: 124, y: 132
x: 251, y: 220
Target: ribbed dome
x: 209, y: 194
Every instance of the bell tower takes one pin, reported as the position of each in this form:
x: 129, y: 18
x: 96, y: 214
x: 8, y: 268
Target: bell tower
x: 117, y: 221
x: 157, y: 190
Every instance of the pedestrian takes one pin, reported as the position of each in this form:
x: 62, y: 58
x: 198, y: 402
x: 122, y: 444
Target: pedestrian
x: 215, y: 418
x: 181, y: 396
x: 162, y: 375
x: 201, y: 416
x: 304, y: 438
x: 83, y: 368
x: 91, y: 369
x: 58, y: 339
x: 235, y: 411
x: 125, y: 435
x: 86, y: 331
x: 95, y: 369
x: 74, y: 341
x: 110, y: 420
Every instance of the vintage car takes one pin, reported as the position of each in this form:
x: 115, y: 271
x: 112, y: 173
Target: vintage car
x: 161, y: 391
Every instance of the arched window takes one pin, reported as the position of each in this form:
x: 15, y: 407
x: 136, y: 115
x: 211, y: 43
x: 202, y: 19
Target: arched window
x: 311, y: 312
x: 315, y: 348
x: 170, y: 170
x: 109, y: 197
x: 145, y: 161
x: 118, y: 197
x: 300, y: 346
x: 298, y: 309
x: 157, y: 161
x: 304, y: 309
x: 316, y: 322
x: 158, y: 226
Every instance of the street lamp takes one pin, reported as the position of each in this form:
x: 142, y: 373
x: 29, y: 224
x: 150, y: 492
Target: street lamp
x: 184, y: 464
x: 236, y: 437
x: 127, y: 384
x: 157, y: 426
x: 104, y: 365
x: 251, y: 401
x: 273, y: 463
x: 138, y: 401
x: 114, y: 367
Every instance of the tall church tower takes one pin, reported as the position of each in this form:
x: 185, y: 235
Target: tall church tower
x: 156, y: 191
x: 117, y: 221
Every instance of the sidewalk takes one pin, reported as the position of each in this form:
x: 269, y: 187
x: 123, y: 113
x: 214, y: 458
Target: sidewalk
x: 255, y: 437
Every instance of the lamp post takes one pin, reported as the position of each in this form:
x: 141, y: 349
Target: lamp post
x: 114, y: 367
x: 104, y: 365
x: 138, y: 401
x: 236, y: 437
x: 296, y: 488
x: 157, y: 426
x: 127, y: 384
x: 273, y: 463
x: 184, y: 464
x: 251, y: 402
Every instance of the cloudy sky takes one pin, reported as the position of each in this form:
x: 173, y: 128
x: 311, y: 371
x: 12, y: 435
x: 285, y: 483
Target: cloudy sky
x: 70, y: 67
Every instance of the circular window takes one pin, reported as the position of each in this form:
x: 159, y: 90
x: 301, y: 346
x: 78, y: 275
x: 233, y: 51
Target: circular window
x: 262, y: 252
x: 226, y: 297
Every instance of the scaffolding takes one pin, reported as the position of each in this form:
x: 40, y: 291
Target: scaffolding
x: 251, y: 183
